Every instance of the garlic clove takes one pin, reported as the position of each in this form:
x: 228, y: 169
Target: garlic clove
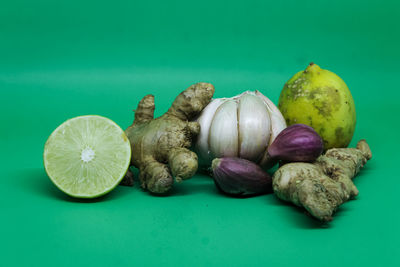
x: 278, y: 123
x: 254, y: 126
x: 205, y: 119
x: 223, y: 135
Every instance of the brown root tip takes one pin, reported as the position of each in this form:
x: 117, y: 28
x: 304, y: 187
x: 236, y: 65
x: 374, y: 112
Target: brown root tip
x: 364, y: 147
x: 128, y: 180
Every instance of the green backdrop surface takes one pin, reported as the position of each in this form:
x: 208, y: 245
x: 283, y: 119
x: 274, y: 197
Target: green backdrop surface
x: 60, y: 59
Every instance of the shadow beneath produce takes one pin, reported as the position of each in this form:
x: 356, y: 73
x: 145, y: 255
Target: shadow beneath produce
x: 296, y: 216
x: 36, y: 181
x: 198, y: 184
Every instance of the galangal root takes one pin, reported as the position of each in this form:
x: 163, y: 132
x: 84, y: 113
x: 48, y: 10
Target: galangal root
x: 322, y: 186
x: 160, y: 147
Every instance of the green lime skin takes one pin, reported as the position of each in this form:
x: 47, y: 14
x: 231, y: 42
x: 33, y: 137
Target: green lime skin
x: 321, y: 99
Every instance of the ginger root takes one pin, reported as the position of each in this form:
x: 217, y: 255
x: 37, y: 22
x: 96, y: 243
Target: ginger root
x: 321, y: 187
x: 160, y: 146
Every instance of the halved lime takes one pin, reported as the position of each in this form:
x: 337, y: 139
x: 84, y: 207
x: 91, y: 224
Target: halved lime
x: 87, y: 156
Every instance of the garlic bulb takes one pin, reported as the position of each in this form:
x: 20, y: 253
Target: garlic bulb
x: 242, y: 126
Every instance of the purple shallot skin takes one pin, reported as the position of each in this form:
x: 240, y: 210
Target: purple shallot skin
x: 240, y: 177
x: 297, y: 143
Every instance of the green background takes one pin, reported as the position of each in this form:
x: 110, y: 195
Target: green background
x: 60, y: 59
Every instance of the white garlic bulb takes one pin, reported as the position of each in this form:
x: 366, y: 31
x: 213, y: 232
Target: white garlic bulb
x: 242, y: 126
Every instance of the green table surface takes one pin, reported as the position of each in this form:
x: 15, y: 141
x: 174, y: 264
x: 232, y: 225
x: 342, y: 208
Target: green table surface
x: 60, y: 59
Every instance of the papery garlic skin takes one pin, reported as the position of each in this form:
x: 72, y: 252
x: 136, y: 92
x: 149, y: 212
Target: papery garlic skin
x: 278, y: 122
x: 242, y: 126
x: 223, y: 136
x: 254, y: 127
x: 207, y: 115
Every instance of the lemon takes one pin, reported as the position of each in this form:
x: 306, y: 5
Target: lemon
x: 87, y: 156
x: 321, y: 99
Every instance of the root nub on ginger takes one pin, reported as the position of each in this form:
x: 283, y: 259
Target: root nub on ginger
x: 160, y: 147
x: 321, y: 187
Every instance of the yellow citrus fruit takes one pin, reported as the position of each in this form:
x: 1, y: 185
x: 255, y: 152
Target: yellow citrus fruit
x: 319, y: 98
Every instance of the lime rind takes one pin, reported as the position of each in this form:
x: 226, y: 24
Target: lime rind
x: 87, y: 156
